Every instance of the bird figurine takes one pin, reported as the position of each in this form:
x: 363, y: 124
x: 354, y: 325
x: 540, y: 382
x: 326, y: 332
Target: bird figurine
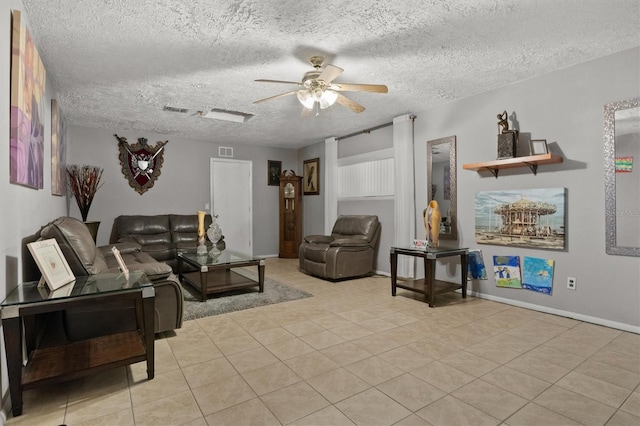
x: 432, y: 223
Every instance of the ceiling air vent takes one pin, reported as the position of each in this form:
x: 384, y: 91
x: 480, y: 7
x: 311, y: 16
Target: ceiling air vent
x: 223, y: 114
x: 174, y: 109
x: 225, y: 151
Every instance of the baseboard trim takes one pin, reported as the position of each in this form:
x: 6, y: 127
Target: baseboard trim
x: 580, y: 317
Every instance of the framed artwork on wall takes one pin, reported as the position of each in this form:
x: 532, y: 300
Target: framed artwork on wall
x: 58, y: 151
x: 274, y: 168
x: 28, y: 79
x: 532, y: 218
x: 311, y: 179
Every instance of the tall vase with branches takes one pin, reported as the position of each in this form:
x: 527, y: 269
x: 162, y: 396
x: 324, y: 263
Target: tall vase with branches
x: 84, y: 182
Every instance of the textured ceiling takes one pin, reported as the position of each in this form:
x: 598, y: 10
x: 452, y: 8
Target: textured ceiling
x: 116, y: 64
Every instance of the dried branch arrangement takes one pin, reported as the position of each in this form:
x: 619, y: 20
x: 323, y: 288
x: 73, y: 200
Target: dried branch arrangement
x: 84, y: 182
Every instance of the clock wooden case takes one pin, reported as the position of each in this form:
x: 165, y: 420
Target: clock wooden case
x: 290, y: 214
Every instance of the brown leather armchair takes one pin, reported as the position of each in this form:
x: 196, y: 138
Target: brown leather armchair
x: 85, y: 258
x: 350, y: 250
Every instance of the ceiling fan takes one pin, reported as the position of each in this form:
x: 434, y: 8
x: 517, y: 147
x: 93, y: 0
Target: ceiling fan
x: 318, y: 91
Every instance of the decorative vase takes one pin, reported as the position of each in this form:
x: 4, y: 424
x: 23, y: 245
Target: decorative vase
x: 93, y: 229
x: 432, y: 223
x: 214, y: 232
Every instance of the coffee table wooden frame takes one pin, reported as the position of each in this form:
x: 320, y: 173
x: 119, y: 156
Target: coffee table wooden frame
x: 212, y: 277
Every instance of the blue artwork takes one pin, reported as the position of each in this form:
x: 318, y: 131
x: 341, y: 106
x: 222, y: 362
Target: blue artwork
x: 537, y: 274
x: 476, y: 269
x: 507, y: 271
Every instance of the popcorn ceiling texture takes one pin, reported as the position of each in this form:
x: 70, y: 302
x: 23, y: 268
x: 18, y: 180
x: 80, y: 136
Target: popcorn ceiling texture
x: 116, y: 63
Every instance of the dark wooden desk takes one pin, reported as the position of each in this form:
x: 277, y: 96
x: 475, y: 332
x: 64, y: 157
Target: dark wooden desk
x: 70, y: 360
x: 429, y: 286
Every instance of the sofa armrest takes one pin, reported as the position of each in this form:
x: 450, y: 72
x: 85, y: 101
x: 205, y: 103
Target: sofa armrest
x: 349, y: 242
x: 321, y: 239
x: 153, y: 270
x: 123, y: 248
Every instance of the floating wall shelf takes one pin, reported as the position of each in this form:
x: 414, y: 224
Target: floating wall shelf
x: 531, y: 161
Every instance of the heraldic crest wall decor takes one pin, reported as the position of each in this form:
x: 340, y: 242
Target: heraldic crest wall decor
x: 141, y: 163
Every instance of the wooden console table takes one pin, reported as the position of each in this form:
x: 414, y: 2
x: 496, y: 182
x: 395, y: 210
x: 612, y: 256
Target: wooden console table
x: 54, y: 363
x: 429, y: 286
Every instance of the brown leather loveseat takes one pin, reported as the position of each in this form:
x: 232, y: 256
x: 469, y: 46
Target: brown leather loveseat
x: 350, y: 250
x: 160, y: 236
x: 84, y: 258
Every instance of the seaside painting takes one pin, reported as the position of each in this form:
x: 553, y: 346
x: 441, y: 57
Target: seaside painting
x: 532, y: 218
x: 537, y: 274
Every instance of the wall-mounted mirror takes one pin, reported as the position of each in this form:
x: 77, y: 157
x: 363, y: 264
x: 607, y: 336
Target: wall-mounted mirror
x: 622, y: 177
x: 441, y: 183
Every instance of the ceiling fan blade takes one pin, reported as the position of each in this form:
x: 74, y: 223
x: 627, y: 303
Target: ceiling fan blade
x: 352, y: 105
x: 347, y: 87
x: 263, y: 80
x: 275, y: 97
x: 329, y: 73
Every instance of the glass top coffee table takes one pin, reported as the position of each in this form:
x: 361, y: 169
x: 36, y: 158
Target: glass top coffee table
x: 214, y: 274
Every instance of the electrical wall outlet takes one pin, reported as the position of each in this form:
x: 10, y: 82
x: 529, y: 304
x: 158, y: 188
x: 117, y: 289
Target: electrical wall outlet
x: 571, y: 283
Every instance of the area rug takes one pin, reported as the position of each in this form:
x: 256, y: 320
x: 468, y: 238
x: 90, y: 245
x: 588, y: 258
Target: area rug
x: 237, y: 300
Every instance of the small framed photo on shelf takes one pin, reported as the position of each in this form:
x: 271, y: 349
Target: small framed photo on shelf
x: 311, y: 179
x: 538, y: 146
x: 274, y: 168
x: 51, y: 262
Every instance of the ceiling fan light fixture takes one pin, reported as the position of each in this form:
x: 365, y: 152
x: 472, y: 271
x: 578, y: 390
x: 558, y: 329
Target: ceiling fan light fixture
x: 329, y: 98
x: 306, y: 98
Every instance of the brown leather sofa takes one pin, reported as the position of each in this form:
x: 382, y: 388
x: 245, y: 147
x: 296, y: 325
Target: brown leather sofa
x: 350, y: 250
x: 84, y: 259
x: 160, y: 236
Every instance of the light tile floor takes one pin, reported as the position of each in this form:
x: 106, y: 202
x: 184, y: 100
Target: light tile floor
x: 352, y: 354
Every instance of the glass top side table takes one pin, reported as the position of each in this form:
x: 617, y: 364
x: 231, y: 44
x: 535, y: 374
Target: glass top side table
x: 66, y: 360
x: 429, y: 286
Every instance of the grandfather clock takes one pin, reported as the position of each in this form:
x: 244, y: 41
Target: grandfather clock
x: 290, y: 213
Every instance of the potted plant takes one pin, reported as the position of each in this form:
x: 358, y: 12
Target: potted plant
x: 84, y: 182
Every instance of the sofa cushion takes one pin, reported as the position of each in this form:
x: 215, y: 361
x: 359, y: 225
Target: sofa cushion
x: 132, y: 225
x: 184, y: 228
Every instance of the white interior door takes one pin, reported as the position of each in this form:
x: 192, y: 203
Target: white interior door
x: 231, y: 194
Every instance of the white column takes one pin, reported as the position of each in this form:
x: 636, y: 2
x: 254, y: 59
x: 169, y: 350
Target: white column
x: 330, y: 184
x: 405, y: 211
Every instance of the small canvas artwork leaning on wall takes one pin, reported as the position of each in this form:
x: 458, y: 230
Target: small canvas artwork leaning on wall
x: 533, y: 218
x: 537, y: 274
x: 507, y: 271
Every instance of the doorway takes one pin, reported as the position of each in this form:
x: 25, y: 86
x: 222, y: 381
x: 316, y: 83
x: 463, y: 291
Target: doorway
x: 231, y: 199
